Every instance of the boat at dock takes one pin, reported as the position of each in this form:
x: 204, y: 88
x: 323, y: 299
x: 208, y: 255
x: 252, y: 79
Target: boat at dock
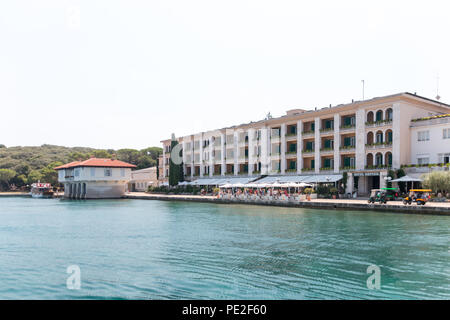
x: 41, y: 190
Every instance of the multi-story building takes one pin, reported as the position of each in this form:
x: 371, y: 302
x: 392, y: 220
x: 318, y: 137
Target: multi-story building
x: 363, y: 138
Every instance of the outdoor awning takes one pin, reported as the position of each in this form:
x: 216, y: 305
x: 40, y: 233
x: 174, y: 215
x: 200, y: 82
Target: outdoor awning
x: 221, y: 181
x: 407, y: 179
x: 319, y: 178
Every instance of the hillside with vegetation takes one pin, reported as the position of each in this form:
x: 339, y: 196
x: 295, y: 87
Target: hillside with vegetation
x: 21, y: 166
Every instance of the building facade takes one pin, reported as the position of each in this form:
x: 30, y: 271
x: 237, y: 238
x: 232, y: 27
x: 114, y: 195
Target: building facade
x: 95, y: 178
x: 363, y: 138
x: 142, y: 179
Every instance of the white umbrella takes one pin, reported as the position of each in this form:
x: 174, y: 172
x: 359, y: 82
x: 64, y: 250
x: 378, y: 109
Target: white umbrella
x: 238, y: 185
x: 278, y: 185
x: 407, y: 179
x: 226, y: 186
x: 302, y: 185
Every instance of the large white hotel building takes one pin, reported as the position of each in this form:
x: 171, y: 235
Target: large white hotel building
x: 363, y: 138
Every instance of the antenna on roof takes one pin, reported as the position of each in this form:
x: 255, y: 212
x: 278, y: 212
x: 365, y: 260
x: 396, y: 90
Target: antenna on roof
x: 438, y: 97
x: 363, y: 88
x: 268, y: 116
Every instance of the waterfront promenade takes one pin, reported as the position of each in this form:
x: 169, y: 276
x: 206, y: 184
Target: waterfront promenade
x: 439, y: 208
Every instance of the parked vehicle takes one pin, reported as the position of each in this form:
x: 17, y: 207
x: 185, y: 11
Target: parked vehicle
x: 377, y: 195
x: 419, y: 196
x: 391, y: 193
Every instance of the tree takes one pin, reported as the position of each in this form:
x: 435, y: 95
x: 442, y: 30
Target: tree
x: 438, y: 181
x: 175, y: 169
x: 2, y: 146
x: 101, y: 154
x: 391, y: 174
x: 49, y: 174
x: 6, y: 175
x: 402, y: 185
x: 34, y: 176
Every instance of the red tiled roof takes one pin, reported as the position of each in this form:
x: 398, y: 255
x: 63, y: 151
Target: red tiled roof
x: 97, y: 162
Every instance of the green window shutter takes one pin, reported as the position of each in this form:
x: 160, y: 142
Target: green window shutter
x: 326, y: 163
x: 312, y: 164
x: 292, y: 165
x: 346, y: 162
x: 346, y: 141
x: 312, y: 126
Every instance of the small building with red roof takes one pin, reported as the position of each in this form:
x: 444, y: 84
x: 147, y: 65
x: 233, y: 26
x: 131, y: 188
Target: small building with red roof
x: 95, y: 178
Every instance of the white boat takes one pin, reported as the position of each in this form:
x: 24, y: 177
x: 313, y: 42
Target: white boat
x: 41, y: 190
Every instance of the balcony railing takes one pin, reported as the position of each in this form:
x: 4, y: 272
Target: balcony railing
x: 350, y: 147
x: 291, y: 152
x: 308, y: 132
x: 308, y: 151
x: 379, y: 166
x: 347, y: 168
x: 378, y: 123
x: 326, y: 149
x: 291, y: 170
x: 379, y: 145
x: 308, y: 169
x: 348, y: 126
x: 291, y: 134
x: 326, y: 169
x: 326, y: 130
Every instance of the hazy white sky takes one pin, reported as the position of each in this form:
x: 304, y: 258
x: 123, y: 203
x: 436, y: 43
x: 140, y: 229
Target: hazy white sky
x: 113, y: 74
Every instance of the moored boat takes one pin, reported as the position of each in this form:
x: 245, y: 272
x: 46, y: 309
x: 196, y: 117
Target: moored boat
x: 41, y: 190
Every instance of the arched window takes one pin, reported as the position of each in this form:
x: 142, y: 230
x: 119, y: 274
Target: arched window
x: 378, y: 159
x: 388, y: 115
x: 379, y: 137
x: 379, y: 116
x: 369, y: 160
x: 388, y: 136
x: 369, y: 116
x: 388, y: 159
x: 370, y: 138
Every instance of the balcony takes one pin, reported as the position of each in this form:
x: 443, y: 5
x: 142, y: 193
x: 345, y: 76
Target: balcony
x: 347, y: 128
x: 379, y: 123
x: 326, y: 130
x: 308, y: 133
x: 347, y: 148
x: 379, y: 145
x: 308, y: 151
x: 308, y: 170
x: 345, y: 168
x: 326, y: 169
x: 327, y: 150
x: 379, y: 166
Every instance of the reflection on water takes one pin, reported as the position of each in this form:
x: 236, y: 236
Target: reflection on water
x: 137, y: 249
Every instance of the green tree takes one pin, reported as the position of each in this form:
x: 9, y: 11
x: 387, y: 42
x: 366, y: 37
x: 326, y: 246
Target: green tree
x: 34, y: 176
x: 175, y: 169
x: 101, y: 154
x: 2, y: 146
x: 402, y: 185
x: 438, y: 181
x: 49, y: 174
x: 391, y: 174
x: 6, y: 175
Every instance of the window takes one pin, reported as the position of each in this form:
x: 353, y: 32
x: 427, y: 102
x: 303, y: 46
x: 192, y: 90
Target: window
x: 446, y: 133
x: 108, y: 172
x: 423, y: 135
x: 423, y: 160
x: 92, y: 172
x: 77, y: 172
x: 122, y: 172
x: 444, y: 157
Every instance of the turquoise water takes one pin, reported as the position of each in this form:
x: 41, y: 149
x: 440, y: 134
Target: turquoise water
x: 137, y: 249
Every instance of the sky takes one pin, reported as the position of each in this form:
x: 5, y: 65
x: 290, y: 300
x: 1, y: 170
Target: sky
x: 128, y: 74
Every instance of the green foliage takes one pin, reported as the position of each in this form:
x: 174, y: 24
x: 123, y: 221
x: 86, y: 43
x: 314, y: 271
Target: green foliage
x: 6, y: 175
x: 175, y: 170
x: 308, y: 190
x: 402, y: 185
x: 391, y: 174
x: 344, y: 179
x: 37, y: 163
x: 34, y: 176
x: 438, y: 181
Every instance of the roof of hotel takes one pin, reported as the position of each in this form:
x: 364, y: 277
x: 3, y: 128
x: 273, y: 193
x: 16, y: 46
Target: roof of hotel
x: 439, y: 116
x: 305, y: 112
x: 97, y: 162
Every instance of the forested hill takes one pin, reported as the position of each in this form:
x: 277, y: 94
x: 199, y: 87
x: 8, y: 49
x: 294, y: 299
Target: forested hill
x: 29, y: 164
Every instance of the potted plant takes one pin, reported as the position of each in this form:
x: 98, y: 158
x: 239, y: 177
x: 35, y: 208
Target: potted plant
x: 334, y: 192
